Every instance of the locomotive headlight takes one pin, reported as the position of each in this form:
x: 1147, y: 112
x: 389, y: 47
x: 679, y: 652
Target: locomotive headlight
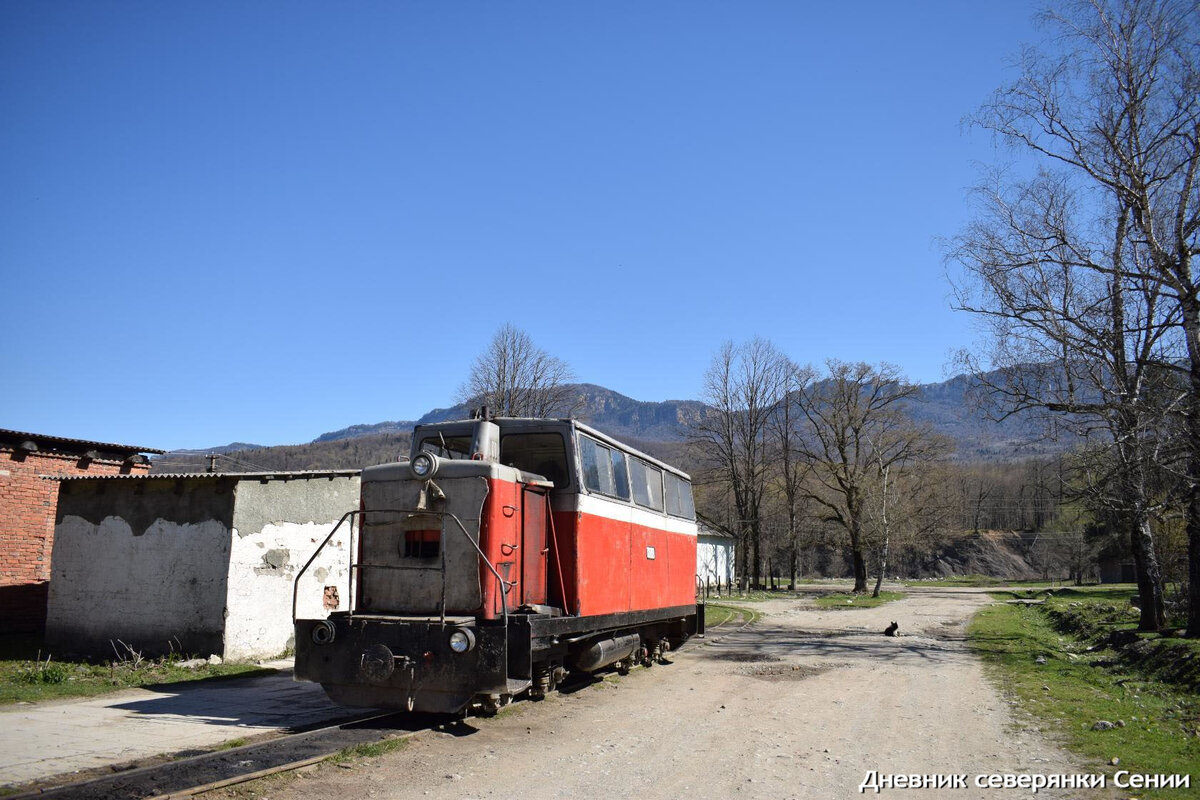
x: 424, y: 465
x: 324, y: 632
x: 462, y: 640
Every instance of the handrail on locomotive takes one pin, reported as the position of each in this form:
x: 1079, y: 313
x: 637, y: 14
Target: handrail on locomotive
x: 503, y: 585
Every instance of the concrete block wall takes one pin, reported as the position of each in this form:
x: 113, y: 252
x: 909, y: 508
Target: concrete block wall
x: 143, y: 562
x: 27, y: 511
x: 202, y: 563
x: 156, y: 591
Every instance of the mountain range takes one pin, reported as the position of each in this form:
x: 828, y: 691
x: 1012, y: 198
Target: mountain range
x: 949, y: 407
x: 602, y: 408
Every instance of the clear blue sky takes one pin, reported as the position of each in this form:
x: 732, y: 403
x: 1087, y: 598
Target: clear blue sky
x: 262, y: 221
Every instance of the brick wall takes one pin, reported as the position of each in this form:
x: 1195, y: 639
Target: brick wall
x: 27, y: 507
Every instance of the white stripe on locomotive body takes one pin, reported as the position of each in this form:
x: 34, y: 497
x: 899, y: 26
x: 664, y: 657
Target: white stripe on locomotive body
x: 599, y: 506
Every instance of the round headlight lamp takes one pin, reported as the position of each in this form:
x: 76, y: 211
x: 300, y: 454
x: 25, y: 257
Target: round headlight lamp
x: 424, y: 465
x: 462, y: 640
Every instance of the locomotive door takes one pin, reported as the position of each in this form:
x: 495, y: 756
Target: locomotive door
x: 533, y: 547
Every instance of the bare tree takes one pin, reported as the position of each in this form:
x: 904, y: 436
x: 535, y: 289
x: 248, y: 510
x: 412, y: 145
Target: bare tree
x: 1074, y: 331
x: 734, y: 442
x: 907, y: 503
x: 1086, y: 267
x: 514, y: 377
x: 791, y: 469
x: 855, y: 431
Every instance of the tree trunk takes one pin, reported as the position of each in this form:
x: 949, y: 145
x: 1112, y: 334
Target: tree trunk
x: 884, y: 472
x: 859, y: 559
x: 860, y: 570
x: 754, y: 543
x: 856, y: 546
x: 1191, y: 325
x: 883, y: 562
x: 1149, y: 577
x: 1193, y: 531
x: 792, y: 559
x: 742, y: 556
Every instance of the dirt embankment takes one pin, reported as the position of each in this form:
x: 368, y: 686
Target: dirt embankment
x: 1000, y: 554
x: 801, y: 705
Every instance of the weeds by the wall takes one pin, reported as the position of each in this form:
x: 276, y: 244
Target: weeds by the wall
x: 38, y: 672
x: 31, y: 675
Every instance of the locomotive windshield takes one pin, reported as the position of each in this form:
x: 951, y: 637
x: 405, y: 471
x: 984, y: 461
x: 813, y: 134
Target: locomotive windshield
x: 453, y: 447
x: 542, y: 454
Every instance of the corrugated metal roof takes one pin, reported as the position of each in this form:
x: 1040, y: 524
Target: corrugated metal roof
x: 77, y: 443
x: 282, y: 475
x: 706, y: 530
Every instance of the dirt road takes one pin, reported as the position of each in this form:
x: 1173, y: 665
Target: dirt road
x: 801, y: 705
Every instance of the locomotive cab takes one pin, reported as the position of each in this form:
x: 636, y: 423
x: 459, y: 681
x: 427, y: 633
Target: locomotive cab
x: 477, y: 575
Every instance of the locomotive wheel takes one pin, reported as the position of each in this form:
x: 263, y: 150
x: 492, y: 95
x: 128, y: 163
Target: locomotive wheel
x: 490, y: 705
x: 542, y: 684
x: 644, y: 657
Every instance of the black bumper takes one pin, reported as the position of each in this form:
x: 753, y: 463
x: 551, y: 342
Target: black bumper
x: 400, y: 664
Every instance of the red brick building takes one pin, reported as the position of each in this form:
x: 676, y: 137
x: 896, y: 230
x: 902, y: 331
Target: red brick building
x: 27, y: 509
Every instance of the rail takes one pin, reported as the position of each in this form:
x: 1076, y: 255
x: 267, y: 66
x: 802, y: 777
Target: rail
x: 350, y: 517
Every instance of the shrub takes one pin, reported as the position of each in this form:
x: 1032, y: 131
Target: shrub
x: 43, y: 672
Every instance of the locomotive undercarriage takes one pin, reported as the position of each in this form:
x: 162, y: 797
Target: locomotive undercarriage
x: 408, y: 663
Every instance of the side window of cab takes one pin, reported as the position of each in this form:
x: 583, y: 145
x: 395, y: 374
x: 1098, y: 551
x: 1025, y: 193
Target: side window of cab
x: 679, y: 497
x: 604, y: 469
x: 542, y: 454
x: 647, y: 484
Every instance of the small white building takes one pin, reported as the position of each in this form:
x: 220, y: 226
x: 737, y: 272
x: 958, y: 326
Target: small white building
x: 201, y: 563
x: 714, y: 560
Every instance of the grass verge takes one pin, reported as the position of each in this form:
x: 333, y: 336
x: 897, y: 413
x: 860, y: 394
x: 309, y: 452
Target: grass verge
x: 369, y: 750
x: 28, y: 675
x: 718, y: 614
x: 1078, y: 684
x: 849, y: 601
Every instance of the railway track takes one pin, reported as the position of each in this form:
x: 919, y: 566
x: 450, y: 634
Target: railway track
x: 193, y: 775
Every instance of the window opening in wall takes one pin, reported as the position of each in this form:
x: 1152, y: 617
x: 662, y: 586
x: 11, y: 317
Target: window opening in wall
x: 422, y: 543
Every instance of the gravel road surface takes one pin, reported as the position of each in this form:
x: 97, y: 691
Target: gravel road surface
x: 803, y: 704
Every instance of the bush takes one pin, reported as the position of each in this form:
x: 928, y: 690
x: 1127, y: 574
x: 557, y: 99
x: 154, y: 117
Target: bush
x: 43, y: 672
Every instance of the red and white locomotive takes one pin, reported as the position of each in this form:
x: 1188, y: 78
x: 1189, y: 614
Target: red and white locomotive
x: 503, y: 553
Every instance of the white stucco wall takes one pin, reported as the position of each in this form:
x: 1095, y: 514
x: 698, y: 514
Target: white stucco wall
x: 262, y: 570
x: 164, y: 584
x: 277, y: 526
x: 714, y: 561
